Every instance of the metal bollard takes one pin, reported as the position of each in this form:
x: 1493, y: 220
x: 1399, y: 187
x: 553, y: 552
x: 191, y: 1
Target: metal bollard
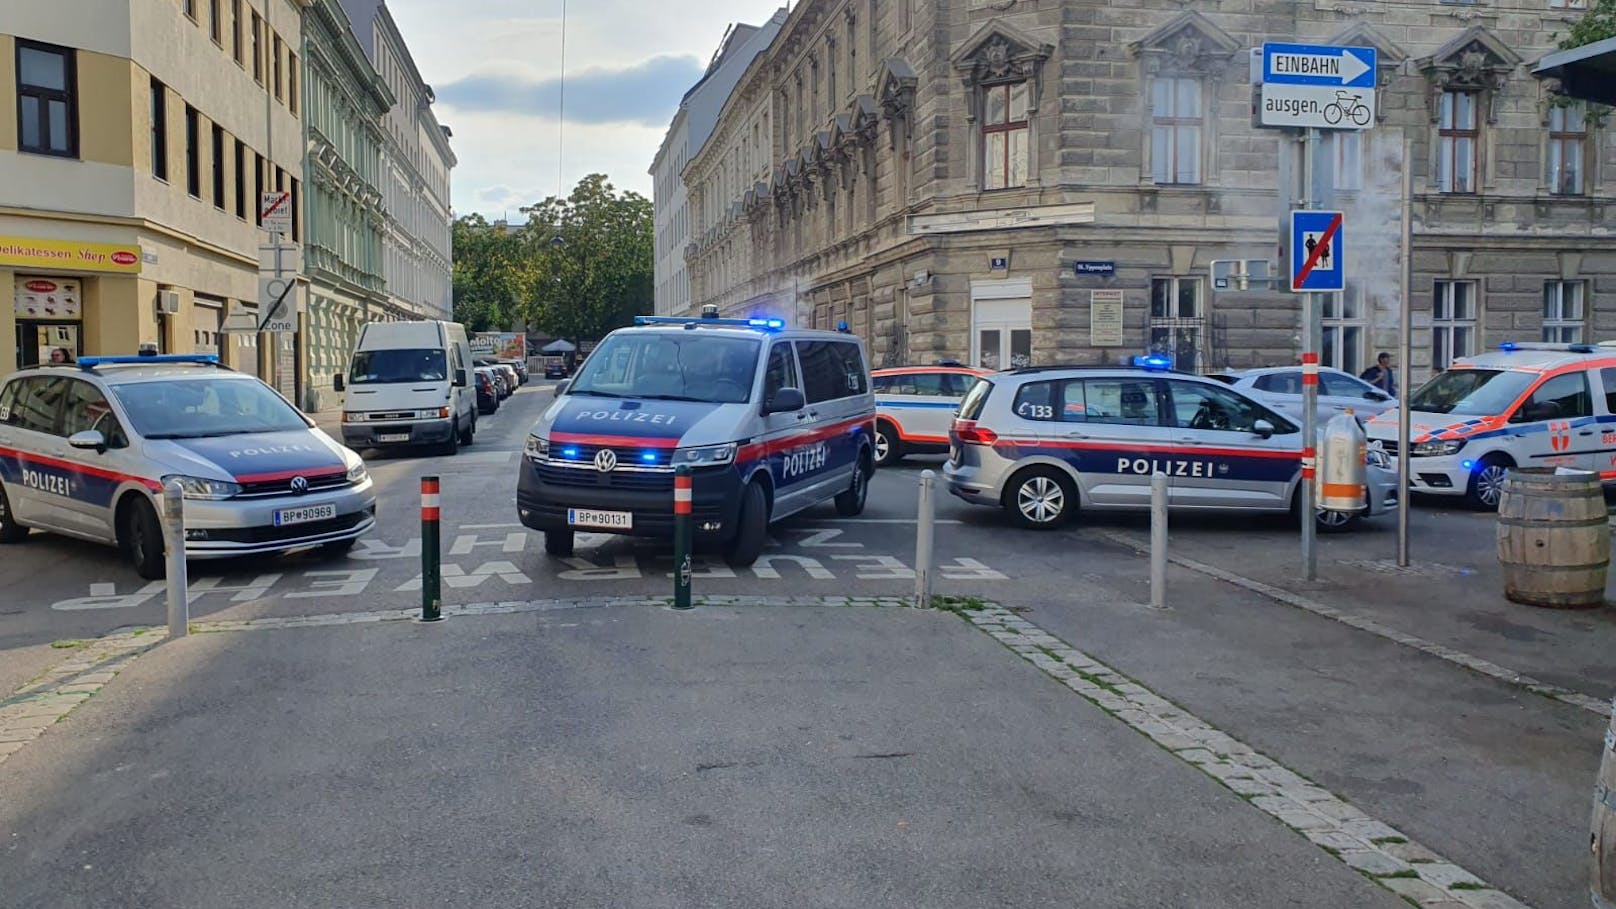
x: 431, y: 553
x: 924, y: 525
x: 682, y: 507
x: 179, y: 609
x: 1158, y: 540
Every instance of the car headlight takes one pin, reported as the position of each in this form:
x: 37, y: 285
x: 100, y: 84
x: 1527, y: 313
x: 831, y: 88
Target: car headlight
x: 440, y: 413
x: 1437, y: 448
x: 203, y: 488
x: 537, y: 449
x: 1377, y: 457
x: 357, y: 473
x: 706, y: 455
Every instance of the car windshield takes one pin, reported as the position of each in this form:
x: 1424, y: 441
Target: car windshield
x: 688, y: 366
x: 385, y: 367
x: 1476, y: 392
x: 199, y: 408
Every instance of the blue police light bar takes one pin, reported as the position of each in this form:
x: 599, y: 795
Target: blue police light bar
x: 1153, y: 362
x: 197, y: 359
x: 693, y: 321
x: 1507, y: 346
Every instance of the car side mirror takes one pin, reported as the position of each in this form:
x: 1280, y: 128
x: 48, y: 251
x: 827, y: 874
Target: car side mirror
x: 460, y: 378
x: 88, y: 440
x: 1263, y: 428
x: 786, y: 400
x: 337, y: 383
x: 562, y: 386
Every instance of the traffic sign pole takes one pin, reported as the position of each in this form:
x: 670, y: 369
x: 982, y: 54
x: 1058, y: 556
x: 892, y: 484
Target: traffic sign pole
x: 1310, y: 383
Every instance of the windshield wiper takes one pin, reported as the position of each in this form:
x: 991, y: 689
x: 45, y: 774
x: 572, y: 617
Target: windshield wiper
x: 676, y: 398
x: 592, y: 393
x: 204, y: 435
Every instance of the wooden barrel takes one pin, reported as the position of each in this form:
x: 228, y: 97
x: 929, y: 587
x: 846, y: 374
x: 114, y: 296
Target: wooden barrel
x: 1553, y: 538
x: 1602, y: 882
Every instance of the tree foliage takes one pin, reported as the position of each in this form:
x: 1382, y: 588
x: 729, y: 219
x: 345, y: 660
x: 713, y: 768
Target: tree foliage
x: 1597, y: 24
x: 490, y: 274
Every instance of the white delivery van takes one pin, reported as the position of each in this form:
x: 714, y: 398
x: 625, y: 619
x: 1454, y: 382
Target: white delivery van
x: 409, y: 383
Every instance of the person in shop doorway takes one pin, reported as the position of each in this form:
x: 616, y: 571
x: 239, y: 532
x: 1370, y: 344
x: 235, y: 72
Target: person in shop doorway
x: 1382, y: 375
x: 60, y: 355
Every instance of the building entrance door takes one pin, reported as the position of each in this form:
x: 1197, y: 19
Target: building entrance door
x: 1001, y: 325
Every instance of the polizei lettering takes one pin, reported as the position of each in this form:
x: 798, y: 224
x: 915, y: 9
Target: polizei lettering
x: 1171, y: 467
x: 805, y: 460
x: 626, y: 416
x: 269, y: 450
x: 45, y: 482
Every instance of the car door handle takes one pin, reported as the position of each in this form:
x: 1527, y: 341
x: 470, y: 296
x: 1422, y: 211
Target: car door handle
x: 1188, y: 440
x: 1074, y: 434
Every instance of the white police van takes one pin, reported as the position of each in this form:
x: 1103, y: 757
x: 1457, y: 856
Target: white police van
x: 771, y: 420
x: 86, y: 448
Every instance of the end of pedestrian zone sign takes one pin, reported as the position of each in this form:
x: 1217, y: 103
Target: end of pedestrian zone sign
x: 1317, y: 260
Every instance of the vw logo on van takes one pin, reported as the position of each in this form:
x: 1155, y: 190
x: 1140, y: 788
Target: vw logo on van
x: 605, y: 460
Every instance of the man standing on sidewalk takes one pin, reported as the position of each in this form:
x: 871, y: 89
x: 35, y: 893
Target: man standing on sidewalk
x: 1381, y: 375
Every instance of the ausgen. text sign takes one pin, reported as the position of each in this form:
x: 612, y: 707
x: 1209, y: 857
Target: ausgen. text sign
x: 1316, y: 85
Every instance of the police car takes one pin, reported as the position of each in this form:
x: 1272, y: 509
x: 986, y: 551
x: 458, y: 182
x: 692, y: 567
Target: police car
x: 1043, y: 442
x: 770, y: 420
x: 1524, y: 405
x: 914, y: 406
x: 85, y: 450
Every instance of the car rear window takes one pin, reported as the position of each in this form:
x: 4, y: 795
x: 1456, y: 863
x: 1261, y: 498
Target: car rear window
x: 971, y: 407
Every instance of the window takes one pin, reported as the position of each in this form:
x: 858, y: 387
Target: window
x: 1004, y: 136
x: 1280, y: 383
x: 235, y: 30
x: 218, y: 167
x: 924, y: 384
x: 1175, y: 135
x: 1349, y: 164
x: 291, y: 82
x: 1211, y: 407
x: 215, y: 23
x: 1607, y: 378
x: 193, y: 164
x: 1175, y: 319
x: 1335, y: 385
x: 831, y: 370
x: 830, y: 71
x: 87, y: 409
x: 257, y: 48
x: 1038, y: 401
x: 47, y: 100
x: 1563, y: 319
x: 1453, y: 322
x: 1456, y: 146
x: 159, y: 130
x: 1568, y: 4
x: 297, y: 209
x: 782, y: 372
x: 190, y: 8
x: 1127, y: 402
x: 241, y: 180
x: 1568, y: 137
x: 34, y: 404
x: 275, y: 65
x: 258, y: 188
x: 1345, y: 325
x: 1563, y: 397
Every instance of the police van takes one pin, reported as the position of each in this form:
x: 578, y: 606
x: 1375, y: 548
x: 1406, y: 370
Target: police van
x: 85, y: 450
x: 1045, y: 442
x: 771, y: 420
x: 1524, y: 405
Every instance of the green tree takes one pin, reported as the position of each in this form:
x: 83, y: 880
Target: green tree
x: 1597, y: 24
x: 592, y: 258
x: 491, y: 274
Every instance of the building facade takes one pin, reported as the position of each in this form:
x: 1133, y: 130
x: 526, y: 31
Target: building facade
x: 692, y: 124
x: 417, y: 263
x: 1038, y: 181
x: 346, y: 217
x: 133, y: 144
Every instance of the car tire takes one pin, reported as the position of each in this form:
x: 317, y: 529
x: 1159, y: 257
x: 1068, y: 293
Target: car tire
x: 1040, y: 498
x: 751, y: 528
x: 452, y: 447
x: 1335, y: 521
x: 140, y: 536
x: 559, y: 543
x: 850, y: 501
x: 469, y: 434
x: 888, y: 446
x: 10, y: 530
x: 1486, y: 484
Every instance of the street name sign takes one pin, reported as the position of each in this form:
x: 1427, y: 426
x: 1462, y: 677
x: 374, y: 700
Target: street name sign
x: 1316, y: 252
x: 1318, y: 85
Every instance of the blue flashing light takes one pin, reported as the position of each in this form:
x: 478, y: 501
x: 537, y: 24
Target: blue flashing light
x: 770, y: 324
x: 696, y: 322
x: 571, y: 452
x: 198, y: 359
x: 843, y: 327
x: 1508, y: 346
x: 1153, y: 361
x: 1468, y: 465
x: 648, y: 457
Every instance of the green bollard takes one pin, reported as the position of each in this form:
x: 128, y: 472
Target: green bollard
x: 681, y: 537
x: 431, y: 553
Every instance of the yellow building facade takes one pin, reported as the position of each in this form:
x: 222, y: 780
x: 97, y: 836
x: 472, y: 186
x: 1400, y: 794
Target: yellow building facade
x: 134, y: 146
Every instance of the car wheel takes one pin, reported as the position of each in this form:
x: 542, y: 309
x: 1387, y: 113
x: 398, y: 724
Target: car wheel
x: 888, y: 447
x: 452, y: 446
x: 751, y: 528
x: 140, y: 535
x: 1487, y: 483
x: 559, y: 543
x: 850, y: 502
x: 1040, y: 498
x: 1335, y: 521
x: 10, y: 530
x: 470, y: 432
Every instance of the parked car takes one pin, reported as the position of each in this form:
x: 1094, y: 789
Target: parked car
x: 487, y: 391
x: 520, y: 367
x: 512, y: 380
x: 1280, y: 387
x: 914, y: 407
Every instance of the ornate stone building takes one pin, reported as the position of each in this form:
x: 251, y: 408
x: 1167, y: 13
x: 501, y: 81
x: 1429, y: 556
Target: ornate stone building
x: 985, y: 181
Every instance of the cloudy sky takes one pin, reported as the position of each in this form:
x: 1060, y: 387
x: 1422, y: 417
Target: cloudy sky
x: 496, y: 67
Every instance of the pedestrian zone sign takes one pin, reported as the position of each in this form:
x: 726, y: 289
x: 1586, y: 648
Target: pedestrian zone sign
x: 1316, y: 252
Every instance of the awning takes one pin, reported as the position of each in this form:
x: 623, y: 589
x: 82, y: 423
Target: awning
x: 558, y: 347
x: 1587, y: 72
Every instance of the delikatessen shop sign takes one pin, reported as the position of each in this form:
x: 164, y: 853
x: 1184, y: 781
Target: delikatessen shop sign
x: 29, y: 253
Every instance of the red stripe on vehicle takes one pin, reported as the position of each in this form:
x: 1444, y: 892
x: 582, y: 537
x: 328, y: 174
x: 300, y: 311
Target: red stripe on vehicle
x: 287, y: 475
x: 60, y: 464
x: 774, y: 446
x: 1181, y: 450
x: 578, y: 438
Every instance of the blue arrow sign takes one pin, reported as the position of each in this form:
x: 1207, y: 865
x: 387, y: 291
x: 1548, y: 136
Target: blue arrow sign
x: 1317, y: 251
x: 1319, y: 64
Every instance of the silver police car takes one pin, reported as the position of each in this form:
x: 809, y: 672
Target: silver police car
x: 86, y: 448
x: 1042, y: 442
